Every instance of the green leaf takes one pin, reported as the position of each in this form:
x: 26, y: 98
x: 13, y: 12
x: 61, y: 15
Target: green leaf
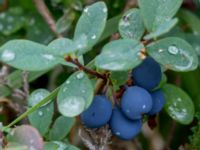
x: 11, y: 20
x: 50, y: 146
x: 55, y: 145
x: 119, y: 78
x: 75, y: 95
x: 119, y: 55
x: 178, y: 104
x: 26, y: 135
x: 90, y: 26
x: 27, y: 55
x: 158, y: 12
x: 5, y: 91
x: 174, y: 53
x: 191, y: 19
x: 42, y: 117
x: 162, y: 29
x: 194, y: 40
x: 110, y: 28
x: 131, y: 25
x: 61, y: 128
x: 37, y: 29
x: 62, y: 46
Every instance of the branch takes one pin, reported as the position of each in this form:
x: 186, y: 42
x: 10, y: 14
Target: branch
x: 82, y: 67
x: 46, y: 14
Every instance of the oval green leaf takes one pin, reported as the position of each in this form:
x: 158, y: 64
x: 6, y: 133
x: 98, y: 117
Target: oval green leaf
x: 75, y: 95
x: 41, y: 118
x: 157, y: 12
x: 131, y: 25
x: 178, y: 105
x: 174, y: 53
x: 162, y: 29
x: 27, y: 55
x: 119, y: 55
x: 61, y: 128
x: 90, y: 26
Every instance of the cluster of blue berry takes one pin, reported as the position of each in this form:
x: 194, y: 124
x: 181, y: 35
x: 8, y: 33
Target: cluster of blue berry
x: 125, y: 120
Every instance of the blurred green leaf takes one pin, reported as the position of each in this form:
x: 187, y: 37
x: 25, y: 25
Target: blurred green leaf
x: 191, y: 19
x: 131, y: 25
x: 174, y: 53
x: 90, y: 26
x: 75, y: 95
x: 61, y: 128
x: 178, y: 105
x: 11, y: 20
x: 119, y: 55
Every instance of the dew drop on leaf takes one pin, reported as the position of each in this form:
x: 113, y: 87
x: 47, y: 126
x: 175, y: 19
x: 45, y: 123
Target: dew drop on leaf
x: 40, y: 113
x: 48, y: 56
x: 80, y: 75
x: 72, y: 106
x: 173, y: 50
x: 7, y: 55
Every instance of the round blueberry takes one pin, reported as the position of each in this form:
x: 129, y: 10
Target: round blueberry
x: 135, y: 102
x: 122, y: 127
x: 98, y: 114
x: 148, y: 74
x: 158, y: 100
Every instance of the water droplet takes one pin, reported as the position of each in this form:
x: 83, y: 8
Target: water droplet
x: 80, y: 75
x: 124, y: 23
x: 40, y: 113
x: 94, y: 37
x: 144, y: 106
x: 105, y: 10
x: 37, y: 96
x: 72, y: 106
x: 67, y: 82
x: 83, y: 91
x: 160, y: 50
x: 86, y: 10
x: 48, y: 56
x: 10, y: 19
x: 65, y: 89
x: 173, y: 50
x: 179, y: 99
x: 8, y: 55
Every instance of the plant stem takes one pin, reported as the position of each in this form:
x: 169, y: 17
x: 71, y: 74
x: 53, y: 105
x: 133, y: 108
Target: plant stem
x: 84, y: 68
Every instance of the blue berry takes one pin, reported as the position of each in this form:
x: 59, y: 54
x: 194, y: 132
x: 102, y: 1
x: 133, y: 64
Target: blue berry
x: 148, y: 74
x: 135, y: 102
x: 158, y: 102
x: 98, y: 114
x: 122, y: 127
